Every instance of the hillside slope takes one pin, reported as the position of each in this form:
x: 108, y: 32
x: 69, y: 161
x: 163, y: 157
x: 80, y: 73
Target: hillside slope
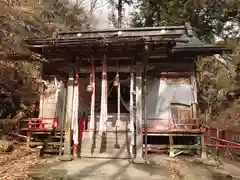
x: 21, y: 19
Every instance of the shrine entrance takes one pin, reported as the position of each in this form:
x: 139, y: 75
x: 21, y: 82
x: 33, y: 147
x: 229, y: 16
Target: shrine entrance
x: 109, y: 109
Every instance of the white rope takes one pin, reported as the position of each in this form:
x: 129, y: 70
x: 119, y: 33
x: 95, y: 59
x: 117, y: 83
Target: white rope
x: 75, y: 114
x: 119, y: 104
x: 125, y: 104
x: 118, y: 97
x: 92, y: 116
x: 104, y: 95
x: 131, y: 103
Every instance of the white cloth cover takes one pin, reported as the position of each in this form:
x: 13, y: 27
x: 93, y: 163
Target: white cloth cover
x: 60, y: 106
x: 118, y: 104
x: 92, y: 115
x: 48, y: 101
x: 75, y: 115
x: 131, y: 103
x: 104, y: 96
x: 162, y: 94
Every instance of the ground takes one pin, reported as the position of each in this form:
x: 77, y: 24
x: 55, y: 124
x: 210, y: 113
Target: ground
x: 160, y: 167
x: 25, y: 164
x: 14, y: 165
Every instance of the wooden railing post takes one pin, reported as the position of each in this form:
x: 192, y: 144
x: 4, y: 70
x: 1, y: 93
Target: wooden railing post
x: 139, y: 119
x: 203, y: 143
x: 67, y: 143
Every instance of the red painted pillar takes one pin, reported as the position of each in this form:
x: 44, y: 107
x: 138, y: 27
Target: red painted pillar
x: 207, y: 133
x: 223, y: 136
x: 82, y: 125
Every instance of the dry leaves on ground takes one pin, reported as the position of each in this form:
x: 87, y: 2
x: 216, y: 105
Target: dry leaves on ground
x: 14, y: 165
x: 174, y: 168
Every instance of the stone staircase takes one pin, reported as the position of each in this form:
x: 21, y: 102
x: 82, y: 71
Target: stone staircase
x: 46, y: 138
x: 115, y: 143
x: 52, y: 144
x: 110, y: 145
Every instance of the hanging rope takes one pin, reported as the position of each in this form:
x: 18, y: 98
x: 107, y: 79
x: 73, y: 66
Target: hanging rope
x: 92, y: 82
x: 131, y: 102
x: 119, y: 104
x: 104, y: 95
x: 75, y: 114
x: 117, y: 84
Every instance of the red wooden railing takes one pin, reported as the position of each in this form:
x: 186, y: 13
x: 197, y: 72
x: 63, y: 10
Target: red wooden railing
x: 41, y: 123
x: 173, y: 124
x: 221, y: 139
x: 82, y: 127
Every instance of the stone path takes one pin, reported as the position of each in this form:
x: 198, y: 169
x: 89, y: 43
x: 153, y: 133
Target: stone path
x: 159, y: 168
x: 102, y: 169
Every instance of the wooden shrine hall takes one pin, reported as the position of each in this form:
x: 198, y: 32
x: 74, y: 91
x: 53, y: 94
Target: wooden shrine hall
x: 123, y: 91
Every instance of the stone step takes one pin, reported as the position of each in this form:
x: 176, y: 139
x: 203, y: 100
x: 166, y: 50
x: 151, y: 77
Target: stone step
x: 114, y: 155
x: 112, y: 119
x: 119, y: 138
x: 108, y: 141
x: 41, y: 143
x: 52, y: 151
x: 108, y: 144
x: 104, y: 145
x: 105, y: 149
x: 108, y: 134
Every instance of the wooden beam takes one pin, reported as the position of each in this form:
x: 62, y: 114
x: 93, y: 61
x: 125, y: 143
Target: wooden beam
x: 117, y: 56
x: 67, y: 141
x: 171, y: 149
x: 126, y: 30
x: 124, y: 69
x: 62, y: 118
x: 194, y: 85
x: 139, y: 117
x: 156, y: 66
x: 204, y: 148
x: 145, y: 61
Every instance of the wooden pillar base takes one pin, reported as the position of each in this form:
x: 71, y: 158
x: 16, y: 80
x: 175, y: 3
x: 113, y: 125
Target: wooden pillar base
x: 139, y: 160
x: 75, y: 150
x: 139, y: 117
x: 204, y: 148
x: 133, y: 151
x: 28, y: 139
x: 132, y: 146
x: 171, y: 154
x: 65, y: 158
x: 139, y: 148
x: 68, y: 115
x: 198, y: 151
x: 171, y: 150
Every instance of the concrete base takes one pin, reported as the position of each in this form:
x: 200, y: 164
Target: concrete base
x: 65, y: 158
x: 207, y: 162
x: 204, y: 155
x: 171, y: 154
x: 101, y: 169
x: 114, y: 145
x: 138, y: 160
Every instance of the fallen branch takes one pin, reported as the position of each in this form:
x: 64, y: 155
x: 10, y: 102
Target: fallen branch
x: 19, y: 135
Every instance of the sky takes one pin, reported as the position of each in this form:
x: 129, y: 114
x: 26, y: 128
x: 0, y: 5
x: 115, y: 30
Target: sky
x: 101, y: 11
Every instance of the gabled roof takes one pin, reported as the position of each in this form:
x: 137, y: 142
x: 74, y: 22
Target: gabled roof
x: 122, y: 44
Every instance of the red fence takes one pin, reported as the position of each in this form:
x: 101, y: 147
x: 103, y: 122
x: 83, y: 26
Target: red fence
x: 173, y: 125
x: 43, y: 123
x: 222, y: 139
